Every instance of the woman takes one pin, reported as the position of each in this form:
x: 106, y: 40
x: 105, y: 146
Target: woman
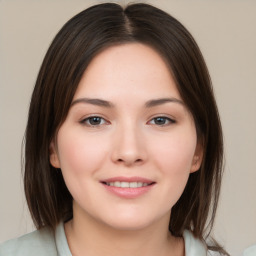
x: 124, y: 146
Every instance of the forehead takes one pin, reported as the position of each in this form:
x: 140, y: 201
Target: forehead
x: 133, y: 67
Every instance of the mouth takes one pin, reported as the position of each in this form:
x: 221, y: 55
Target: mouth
x: 128, y: 187
x: 124, y: 184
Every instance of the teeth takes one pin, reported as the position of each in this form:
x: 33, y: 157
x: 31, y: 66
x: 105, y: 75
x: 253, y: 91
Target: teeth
x: 134, y: 185
x: 117, y: 184
x: 122, y: 184
x: 125, y: 185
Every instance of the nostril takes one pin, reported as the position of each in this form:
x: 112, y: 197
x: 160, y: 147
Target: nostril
x: 136, y: 161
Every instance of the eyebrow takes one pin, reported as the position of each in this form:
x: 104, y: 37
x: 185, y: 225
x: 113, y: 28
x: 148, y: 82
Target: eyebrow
x: 157, y: 102
x: 107, y: 104
x: 97, y: 102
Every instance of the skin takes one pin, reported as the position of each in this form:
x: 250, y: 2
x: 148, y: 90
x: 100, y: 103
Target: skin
x: 127, y: 140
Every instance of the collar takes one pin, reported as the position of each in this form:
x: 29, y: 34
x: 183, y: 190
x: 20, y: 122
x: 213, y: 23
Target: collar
x: 193, y: 246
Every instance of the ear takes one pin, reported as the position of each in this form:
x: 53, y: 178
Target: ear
x: 198, y: 158
x: 54, y: 158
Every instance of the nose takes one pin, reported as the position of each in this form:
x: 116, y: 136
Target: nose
x: 129, y: 147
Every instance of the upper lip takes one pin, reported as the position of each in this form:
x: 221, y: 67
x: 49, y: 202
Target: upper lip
x: 128, y: 179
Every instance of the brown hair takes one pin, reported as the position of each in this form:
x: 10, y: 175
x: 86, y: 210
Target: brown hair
x: 71, y: 51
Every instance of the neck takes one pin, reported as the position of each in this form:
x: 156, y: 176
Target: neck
x: 87, y: 236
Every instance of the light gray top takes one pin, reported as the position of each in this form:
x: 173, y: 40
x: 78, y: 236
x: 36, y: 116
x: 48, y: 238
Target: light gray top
x: 250, y: 251
x: 45, y: 242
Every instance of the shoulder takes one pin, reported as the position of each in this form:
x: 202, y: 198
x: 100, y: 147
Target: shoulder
x: 196, y: 247
x: 250, y: 251
x: 40, y: 242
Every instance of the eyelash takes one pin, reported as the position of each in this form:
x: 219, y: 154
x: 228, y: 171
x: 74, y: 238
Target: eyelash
x: 87, y: 121
x: 169, y: 120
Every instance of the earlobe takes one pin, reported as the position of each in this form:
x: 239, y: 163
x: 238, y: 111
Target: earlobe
x: 195, y: 164
x: 197, y: 159
x: 54, y: 159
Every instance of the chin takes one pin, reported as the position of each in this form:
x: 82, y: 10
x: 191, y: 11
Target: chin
x: 128, y: 225
x: 135, y: 222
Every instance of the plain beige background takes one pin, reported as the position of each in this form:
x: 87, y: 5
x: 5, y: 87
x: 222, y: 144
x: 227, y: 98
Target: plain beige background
x: 226, y: 34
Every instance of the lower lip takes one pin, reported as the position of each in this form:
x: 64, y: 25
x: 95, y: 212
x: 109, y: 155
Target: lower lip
x: 128, y: 192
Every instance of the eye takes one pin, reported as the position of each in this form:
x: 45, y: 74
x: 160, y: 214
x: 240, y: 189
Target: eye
x: 161, y: 121
x: 93, y: 121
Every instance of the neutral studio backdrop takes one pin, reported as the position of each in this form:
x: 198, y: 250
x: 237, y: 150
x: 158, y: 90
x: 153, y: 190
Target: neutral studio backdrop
x: 226, y: 33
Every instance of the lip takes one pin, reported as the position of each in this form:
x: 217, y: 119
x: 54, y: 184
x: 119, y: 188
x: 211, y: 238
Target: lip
x: 128, y: 179
x: 128, y: 193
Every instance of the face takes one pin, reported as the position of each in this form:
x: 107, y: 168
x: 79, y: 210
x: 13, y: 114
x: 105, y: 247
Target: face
x: 128, y: 144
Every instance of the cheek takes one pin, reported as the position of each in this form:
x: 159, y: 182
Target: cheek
x: 173, y: 156
x: 80, y: 154
x: 175, y: 153
x: 80, y: 157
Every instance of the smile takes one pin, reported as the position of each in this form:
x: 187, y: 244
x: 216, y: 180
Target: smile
x: 128, y: 187
x: 122, y: 184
